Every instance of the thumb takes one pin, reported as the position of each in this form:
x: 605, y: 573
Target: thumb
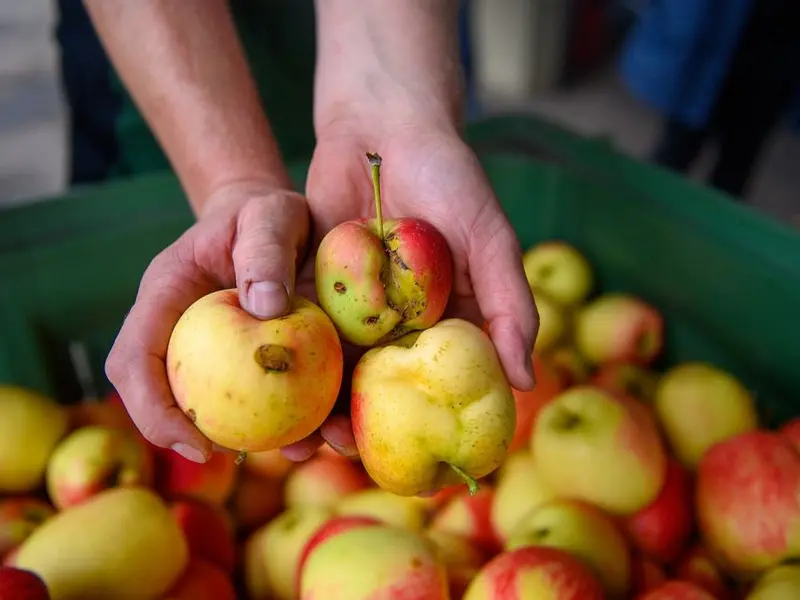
x: 271, y: 233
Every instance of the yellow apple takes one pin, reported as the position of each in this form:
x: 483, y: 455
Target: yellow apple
x: 553, y: 323
x: 559, y: 270
x: 401, y: 511
x: 781, y: 583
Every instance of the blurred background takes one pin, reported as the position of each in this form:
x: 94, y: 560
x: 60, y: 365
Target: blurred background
x: 581, y: 63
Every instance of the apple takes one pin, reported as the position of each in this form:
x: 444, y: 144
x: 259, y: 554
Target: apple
x: 535, y: 572
x: 377, y: 279
x: 178, y: 477
x: 469, y: 515
x: 791, y: 430
x: 646, y: 575
x: 106, y: 412
x: 19, y: 518
x: 661, y: 530
x: 435, y: 500
x: 21, y: 584
x: 697, y: 566
x: 626, y: 378
x: 780, y: 583
x: 748, y: 502
x: 553, y: 323
x: 605, y: 449
x: 202, y: 581
x: 252, y: 385
x: 699, y: 405
x: 432, y: 409
x: 209, y: 532
x: 558, y: 269
x: 255, y: 501
x: 323, y: 481
x: 461, y: 558
x: 331, y: 527
x: 399, y: 511
x: 24, y: 456
x: 677, y: 590
x: 528, y: 403
x: 569, y: 365
x: 585, y: 532
x: 270, y: 463
x: 391, y: 563
x: 619, y: 328
x: 94, y: 458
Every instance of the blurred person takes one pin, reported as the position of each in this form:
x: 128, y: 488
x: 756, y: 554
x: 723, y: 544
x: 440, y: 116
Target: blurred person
x: 717, y: 70
x: 222, y: 92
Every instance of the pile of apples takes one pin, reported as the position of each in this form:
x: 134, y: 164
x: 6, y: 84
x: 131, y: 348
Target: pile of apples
x: 609, y: 480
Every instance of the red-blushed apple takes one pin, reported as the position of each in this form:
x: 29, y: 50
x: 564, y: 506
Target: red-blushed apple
x: 554, y: 323
x: 697, y: 566
x: 677, y: 590
x: 106, y: 412
x: 469, y: 515
x: 519, y: 490
x: 378, y: 561
x: 528, y: 403
x: 19, y: 517
x: 400, y: 511
x: 270, y: 464
x: 323, y: 481
x: 599, y: 447
x: 434, y: 501
x: 432, y: 409
x: 646, y: 575
x: 569, y: 365
x: 535, y: 572
x: 255, y: 501
x: 461, y: 557
x: 249, y: 384
x: 791, y: 431
x: 272, y: 553
x: 780, y: 583
x: 662, y: 529
x: 94, y: 458
x: 748, y: 502
x: 212, y: 481
x: 378, y: 280
x: 584, y: 531
x: 619, y: 328
x: 560, y: 270
x: 21, y: 584
x: 202, y: 580
x: 699, y: 405
x: 9, y: 558
x: 209, y: 532
x: 630, y: 379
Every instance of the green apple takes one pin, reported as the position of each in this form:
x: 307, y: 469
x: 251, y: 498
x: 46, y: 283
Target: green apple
x: 559, y: 270
x: 781, y: 583
x: 553, y: 323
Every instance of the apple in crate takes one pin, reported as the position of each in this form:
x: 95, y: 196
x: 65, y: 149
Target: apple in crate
x: 208, y: 530
x: 461, y: 557
x: 469, y: 515
x: 19, y: 518
x: 212, y: 481
x: 377, y: 279
x: 21, y: 584
x: 432, y: 409
x: 553, y: 323
x: 629, y: 379
x: 202, y: 580
x: 781, y: 583
x: 332, y: 527
x: 323, y: 480
x: 400, y: 511
x: 558, y: 269
x: 677, y: 590
x: 251, y: 385
x: 697, y: 566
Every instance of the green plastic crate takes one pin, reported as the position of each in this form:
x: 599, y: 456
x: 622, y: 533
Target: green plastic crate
x: 726, y: 277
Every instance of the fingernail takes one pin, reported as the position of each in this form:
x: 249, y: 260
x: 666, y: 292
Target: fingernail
x: 298, y: 453
x: 347, y: 451
x: 189, y: 453
x: 267, y: 299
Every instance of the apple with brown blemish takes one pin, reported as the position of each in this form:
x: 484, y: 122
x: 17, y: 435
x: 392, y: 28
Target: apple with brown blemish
x: 379, y: 280
x: 251, y: 385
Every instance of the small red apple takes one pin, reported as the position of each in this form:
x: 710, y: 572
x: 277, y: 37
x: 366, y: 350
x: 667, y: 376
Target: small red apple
x: 208, y: 531
x: 323, y: 481
x: 646, y: 575
x: 212, y: 481
x: 470, y: 515
x: 202, y: 581
x: 698, y: 567
x: 20, y: 584
x: 677, y: 590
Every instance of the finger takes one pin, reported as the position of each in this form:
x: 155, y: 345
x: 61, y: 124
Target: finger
x: 269, y: 237
x: 337, y: 430
x: 503, y: 294
x: 304, y: 449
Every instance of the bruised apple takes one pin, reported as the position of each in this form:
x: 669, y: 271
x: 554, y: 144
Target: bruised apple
x: 253, y: 385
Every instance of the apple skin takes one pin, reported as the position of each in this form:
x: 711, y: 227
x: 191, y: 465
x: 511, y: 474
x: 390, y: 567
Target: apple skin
x: 428, y: 401
x: 323, y: 481
x: 470, y: 517
x: 212, y: 481
x: 748, y: 502
x: 461, y: 557
x: 662, y: 529
x: 209, y: 532
x: 585, y: 532
x: 251, y: 385
x: 780, y: 583
x: 791, y: 431
x: 202, y: 581
x: 528, y: 403
x: 271, y: 464
x: 559, y: 270
x: 697, y: 566
x: 632, y: 380
x: 677, y: 590
x: 94, y: 458
x: 553, y: 323
x: 646, y: 575
x: 535, y: 572
x: 392, y: 563
x: 399, y: 511
x: 255, y: 501
x: 699, y: 405
x: 378, y: 290
x: 602, y: 448
x: 21, y: 584
x: 619, y: 328
x: 19, y: 517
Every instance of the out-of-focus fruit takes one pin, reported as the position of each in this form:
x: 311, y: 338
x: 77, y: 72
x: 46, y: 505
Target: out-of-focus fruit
x: 323, y: 481
x: 698, y: 567
x: 553, y: 323
x: 569, y: 365
x: 677, y: 590
x: 19, y: 584
x: 629, y: 379
x: 528, y: 404
x: 270, y: 463
x: 212, y: 481
x: 255, y: 501
x: 470, y: 516
x: 461, y: 558
x: 780, y: 583
x: 208, y: 531
x: 202, y: 580
x: 19, y: 518
x: 646, y: 575
x: 559, y: 270
x: 400, y: 511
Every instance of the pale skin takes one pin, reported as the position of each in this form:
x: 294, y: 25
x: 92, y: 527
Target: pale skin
x: 388, y: 80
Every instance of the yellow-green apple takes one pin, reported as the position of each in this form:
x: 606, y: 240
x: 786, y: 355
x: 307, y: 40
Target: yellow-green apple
x: 121, y: 543
x: 661, y: 530
x: 535, y: 572
x: 23, y: 455
x: 379, y: 279
x: 272, y: 553
x: 677, y: 590
x: 323, y: 481
x: 553, y: 323
x: 626, y: 378
x: 209, y: 532
x: 432, y: 409
x: 528, y: 403
x: 619, y: 328
x: 585, y: 532
x: 21, y: 584
x: 599, y: 447
x: 462, y: 559
x: 270, y: 463
x: 212, y: 481
x: 331, y: 527
x: 392, y: 563
x: 255, y: 501
x: 568, y: 364
x: 202, y: 580
x: 519, y: 490
x: 19, y: 518
x: 253, y: 385
x: 94, y: 458
x: 558, y: 269
x: 780, y: 583
x: 697, y: 566
x: 646, y: 575
x: 469, y: 515
x: 401, y: 511
x: 748, y: 502
x: 699, y: 405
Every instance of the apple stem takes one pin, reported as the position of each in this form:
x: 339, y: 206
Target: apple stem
x: 240, y: 456
x: 472, y: 483
x: 375, y: 167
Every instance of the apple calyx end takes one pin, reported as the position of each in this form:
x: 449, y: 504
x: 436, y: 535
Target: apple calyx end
x: 472, y: 484
x: 375, y: 161
x: 241, y: 456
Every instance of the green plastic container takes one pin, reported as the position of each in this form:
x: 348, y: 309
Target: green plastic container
x: 727, y: 278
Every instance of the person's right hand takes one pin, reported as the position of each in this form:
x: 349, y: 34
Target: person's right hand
x: 250, y: 236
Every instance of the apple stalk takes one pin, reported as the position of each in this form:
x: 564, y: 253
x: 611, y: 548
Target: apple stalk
x: 472, y: 483
x: 375, y: 169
